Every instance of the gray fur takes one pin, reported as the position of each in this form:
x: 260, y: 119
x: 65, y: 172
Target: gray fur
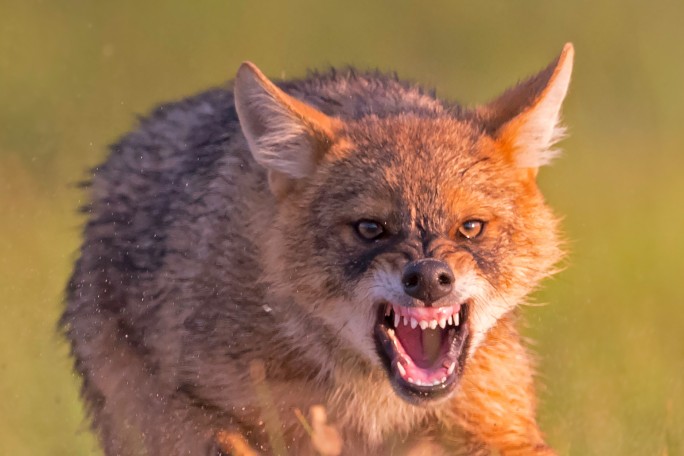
x: 166, y: 308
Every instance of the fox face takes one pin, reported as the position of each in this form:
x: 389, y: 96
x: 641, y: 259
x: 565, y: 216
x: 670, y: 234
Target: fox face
x: 408, y: 235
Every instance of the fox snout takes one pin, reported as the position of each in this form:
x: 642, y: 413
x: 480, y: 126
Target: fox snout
x: 427, y: 280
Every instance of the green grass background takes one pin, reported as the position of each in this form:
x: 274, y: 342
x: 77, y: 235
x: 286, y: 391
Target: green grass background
x: 75, y: 73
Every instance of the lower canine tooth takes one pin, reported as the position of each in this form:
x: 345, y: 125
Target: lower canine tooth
x: 443, y: 380
x: 410, y: 380
x: 401, y: 369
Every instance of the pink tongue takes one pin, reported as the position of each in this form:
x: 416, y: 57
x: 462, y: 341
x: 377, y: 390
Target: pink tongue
x: 412, y: 341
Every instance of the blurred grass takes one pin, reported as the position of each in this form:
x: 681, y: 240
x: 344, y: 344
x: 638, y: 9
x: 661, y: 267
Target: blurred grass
x: 73, y: 74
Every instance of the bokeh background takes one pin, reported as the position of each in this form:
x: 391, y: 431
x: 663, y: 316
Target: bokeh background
x: 75, y: 74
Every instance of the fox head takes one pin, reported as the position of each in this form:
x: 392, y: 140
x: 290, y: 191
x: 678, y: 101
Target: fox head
x: 408, y: 234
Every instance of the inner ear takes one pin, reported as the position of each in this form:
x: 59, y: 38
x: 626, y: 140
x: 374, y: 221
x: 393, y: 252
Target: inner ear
x: 285, y: 135
x: 525, y: 120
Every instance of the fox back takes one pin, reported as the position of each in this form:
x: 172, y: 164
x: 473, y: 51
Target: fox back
x: 347, y: 240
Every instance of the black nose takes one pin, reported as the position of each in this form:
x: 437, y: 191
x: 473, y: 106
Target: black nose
x: 427, y: 280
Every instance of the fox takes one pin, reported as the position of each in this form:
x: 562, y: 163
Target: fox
x: 347, y: 240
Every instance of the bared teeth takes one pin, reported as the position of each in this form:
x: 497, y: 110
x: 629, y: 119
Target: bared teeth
x: 419, y: 382
x: 413, y: 322
x: 430, y: 341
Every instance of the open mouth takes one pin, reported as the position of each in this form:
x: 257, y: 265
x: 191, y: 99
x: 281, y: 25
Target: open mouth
x: 423, y: 348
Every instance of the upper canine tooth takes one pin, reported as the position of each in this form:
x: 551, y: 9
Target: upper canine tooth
x: 450, y: 320
x: 443, y: 323
x: 424, y: 324
x: 456, y: 320
x: 414, y: 323
x: 388, y: 310
x: 451, y: 368
x: 433, y: 324
x: 397, y: 319
x: 406, y: 321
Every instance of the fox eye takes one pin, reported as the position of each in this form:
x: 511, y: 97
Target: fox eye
x: 369, y: 230
x: 470, y: 229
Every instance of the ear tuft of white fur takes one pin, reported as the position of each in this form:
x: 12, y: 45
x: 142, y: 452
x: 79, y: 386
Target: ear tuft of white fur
x: 536, y: 150
x: 282, y: 133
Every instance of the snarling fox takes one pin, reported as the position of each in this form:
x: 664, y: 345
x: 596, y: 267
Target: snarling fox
x: 346, y: 240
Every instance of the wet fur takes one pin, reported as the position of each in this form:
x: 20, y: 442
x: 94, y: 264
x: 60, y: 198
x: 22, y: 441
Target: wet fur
x: 191, y: 270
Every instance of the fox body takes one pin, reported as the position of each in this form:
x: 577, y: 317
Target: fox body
x: 347, y: 240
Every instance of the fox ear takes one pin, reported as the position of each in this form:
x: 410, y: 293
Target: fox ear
x: 525, y: 119
x: 285, y: 135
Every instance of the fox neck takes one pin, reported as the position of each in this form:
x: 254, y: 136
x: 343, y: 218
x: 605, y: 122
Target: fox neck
x: 359, y: 399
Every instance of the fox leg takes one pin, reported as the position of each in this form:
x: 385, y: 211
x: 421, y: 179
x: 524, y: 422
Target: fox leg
x: 496, y: 404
